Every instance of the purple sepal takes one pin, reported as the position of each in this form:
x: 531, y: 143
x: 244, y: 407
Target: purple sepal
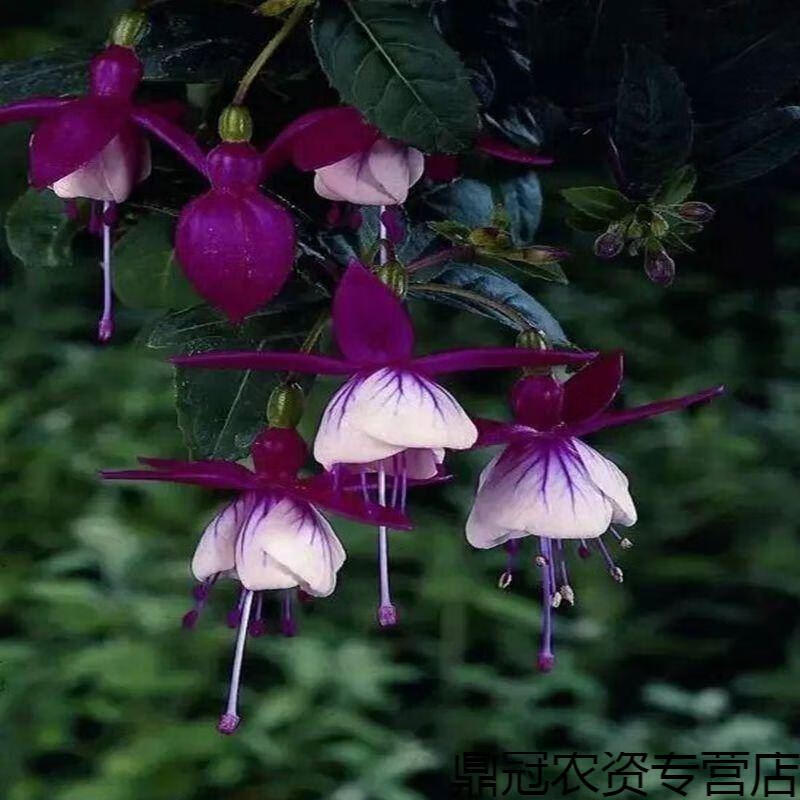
x: 590, y: 391
x: 491, y: 432
x: 370, y: 324
x: 507, y: 152
x: 155, y: 120
x: 271, y: 360
x: 320, y: 138
x: 237, y: 249
x: 643, y: 412
x: 33, y: 108
x: 497, y: 358
x: 72, y: 136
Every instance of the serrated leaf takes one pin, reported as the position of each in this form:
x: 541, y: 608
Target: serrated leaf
x: 386, y: 59
x: 751, y: 148
x: 653, y: 131
x: 146, y: 274
x: 598, y: 202
x: 678, y: 186
x: 38, y: 231
x: 484, y: 282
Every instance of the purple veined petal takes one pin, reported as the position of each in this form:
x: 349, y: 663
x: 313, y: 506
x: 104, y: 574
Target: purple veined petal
x: 72, y: 136
x: 496, y: 358
x: 163, y: 128
x: 237, y: 249
x: 507, y: 152
x: 612, y: 418
x: 287, y: 543
x: 396, y: 167
x: 112, y: 174
x: 33, y: 108
x: 611, y: 480
x: 590, y: 391
x: 542, y: 486
x: 215, y: 550
x: 491, y: 432
x: 272, y: 361
x: 320, y: 138
x: 321, y: 492
x: 370, y: 323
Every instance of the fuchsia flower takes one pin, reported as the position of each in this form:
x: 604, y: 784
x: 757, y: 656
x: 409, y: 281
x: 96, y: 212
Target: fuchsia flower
x: 271, y: 537
x: 390, y: 415
x: 548, y: 484
x: 235, y: 245
x: 354, y: 163
x: 92, y: 147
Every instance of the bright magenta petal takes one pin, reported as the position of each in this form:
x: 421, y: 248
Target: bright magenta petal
x: 496, y: 358
x: 590, y: 391
x: 35, y: 108
x: 157, y: 119
x: 507, y: 152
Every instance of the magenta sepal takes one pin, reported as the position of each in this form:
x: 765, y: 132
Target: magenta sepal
x: 491, y: 432
x: 33, y: 108
x: 173, y: 135
x: 273, y: 360
x: 613, y: 418
x: 590, y: 391
x: 229, y: 475
x: 507, y: 152
x: 496, y: 358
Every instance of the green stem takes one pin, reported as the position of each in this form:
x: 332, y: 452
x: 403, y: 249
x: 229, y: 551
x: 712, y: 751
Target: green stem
x: 437, y: 288
x: 272, y: 45
x: 311, y: 341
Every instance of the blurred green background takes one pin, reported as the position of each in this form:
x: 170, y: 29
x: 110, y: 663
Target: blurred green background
x: 104, y: 697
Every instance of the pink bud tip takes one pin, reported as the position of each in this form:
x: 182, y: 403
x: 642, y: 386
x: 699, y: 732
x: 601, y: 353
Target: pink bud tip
x: 190, y: 619
x: 387, y: 616
x: 105, y: 330
x: 257, y: 628
x: 545, y: 662
x: 228, y: 723
x: 584, y: 551
x: 234, y: 618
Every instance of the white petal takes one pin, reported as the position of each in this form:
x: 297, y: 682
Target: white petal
x: 611, y: 480
x: 287, y: 543
x: 416, y: 165
x: 351, y: 180
x: 390, y: 165
x: 420, y: 463
x: 543, y: 488
x: 338, y: 441
x: 214, y: 552
x: 409, y: 410
x: 109, y: 176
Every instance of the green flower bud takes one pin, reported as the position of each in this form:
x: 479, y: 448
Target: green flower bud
x: 532, y: 339
x: 658, y: 225
x: 128, y: 28
x: 695, y: 211
x: 635, y: 230
x: 286, y: 405
x: 395, y: 276
x: 235, y: 124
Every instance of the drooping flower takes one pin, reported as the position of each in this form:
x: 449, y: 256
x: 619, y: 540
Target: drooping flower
x: 91, y: 146
x: 549, y: 485
x: 272, y: 537
x: 235, y: 244
x: 390, y: 416
x: 354, y: 163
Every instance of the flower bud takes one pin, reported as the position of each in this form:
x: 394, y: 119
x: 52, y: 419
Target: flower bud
x: 659, y: 265
x: 128, y: 28
x: 635, y: 230
x: 235, y: 124
x: 658, y: 225
x: 394, y: 275
x: 532, y: 339
x: 696, y: 211
x: 285, y: 406
x: 609, y: 245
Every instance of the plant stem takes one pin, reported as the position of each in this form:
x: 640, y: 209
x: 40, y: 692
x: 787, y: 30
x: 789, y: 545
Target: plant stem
x: 310, y: 341
x: 514, y: 316
x: 272, y: 45
x: 449, y: 254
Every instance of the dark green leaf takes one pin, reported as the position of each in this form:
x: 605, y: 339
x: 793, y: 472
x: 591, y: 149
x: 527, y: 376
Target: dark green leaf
x: 53, y: 73
x: 751, y: 148
x: 386, y: 59
x: 38, y: 231
x: 653, y: 131
x: 522, y: 200
x: 583, y: 223
x: 599, y: 202
x: 678, y: 186
x: 497, y: 288
x: 466, y: 201
x: 146, y: 274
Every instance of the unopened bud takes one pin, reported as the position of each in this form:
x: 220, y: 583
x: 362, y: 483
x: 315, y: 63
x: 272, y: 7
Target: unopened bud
x: 609, y: 245
x: 532, y: 339
x: 635, y: 230
x: 659, y: 265
x: 235, y: 124
x: 285, y: 406
x: 658, y: 225
x: 128, y: 28
x: 696, y: 211
x: 395, y: 276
